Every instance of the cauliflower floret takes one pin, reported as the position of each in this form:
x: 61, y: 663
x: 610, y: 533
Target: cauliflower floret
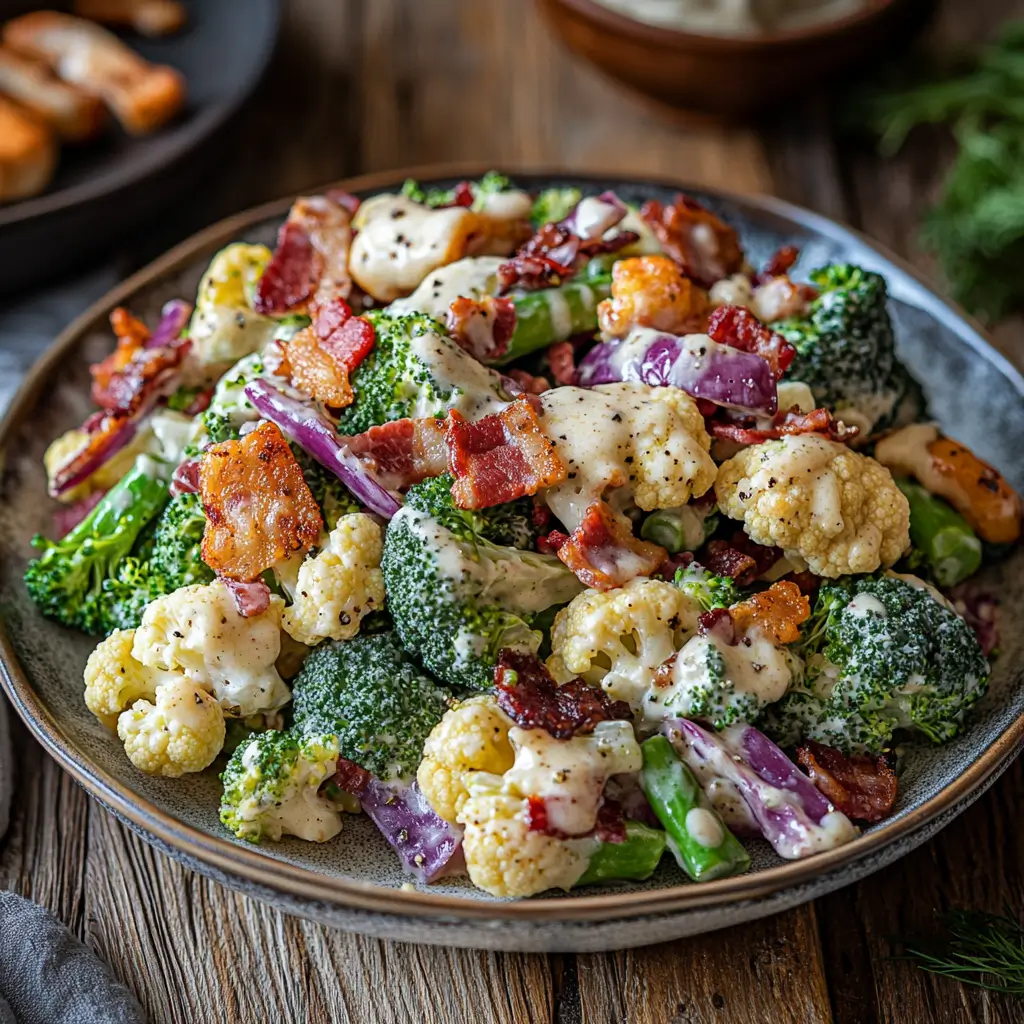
x: 618, y: 638
x: 505, y: 857
x: 199, y: 631
x: 114, y: 679
x: 339, y: 586
x: 814, y: 498
x: 472, y: 737
x: 650, y: 442
x: 183, y: 732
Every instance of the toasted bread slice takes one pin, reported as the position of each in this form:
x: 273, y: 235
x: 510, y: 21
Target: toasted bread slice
x: 76, y: 115
x: 149, y: 17
x: 28, y: 152
x: 142, y: 96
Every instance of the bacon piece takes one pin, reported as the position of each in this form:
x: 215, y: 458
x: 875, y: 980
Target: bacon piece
x: 791, y: 421
x: 651, y: 291
x: 321, y: 357
x: 259, y: 509
x: 351, y: 777
x: 483, y: 327
x: 610, y: 826
x: 738, y: 328
x: 527, y: 383
x: 705, y: 248
x: 251, y: 599
x: 739, y: 558
x: 779, y: 263
x: 862, y: 787
x: 554, y: 254
x: 528, y: 695
x: 551, y: 543
x: 562, y: 360
x: 603, y: 552
x: 501, y: 457
x: 778, y: 611
x: 718, y: 622
x: 132, y: 335
x: 403, y: 452
x: 309, y: 267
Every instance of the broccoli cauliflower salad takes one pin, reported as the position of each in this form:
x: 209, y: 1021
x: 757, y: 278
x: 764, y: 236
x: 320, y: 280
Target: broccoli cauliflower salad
x: 546, y: 532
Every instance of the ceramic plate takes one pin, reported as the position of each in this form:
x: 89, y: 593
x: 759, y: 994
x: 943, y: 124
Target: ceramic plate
x: 354, y: 881
x: 102, y: 189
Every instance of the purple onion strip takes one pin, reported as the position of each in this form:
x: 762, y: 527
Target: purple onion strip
x: 173, y: 318
x: 315, y: 435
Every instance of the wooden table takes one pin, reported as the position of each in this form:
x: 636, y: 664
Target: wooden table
x: 375, y: 84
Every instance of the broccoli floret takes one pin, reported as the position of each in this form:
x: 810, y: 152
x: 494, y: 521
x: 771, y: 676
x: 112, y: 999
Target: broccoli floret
x: 554, y: 204
x: 67, y: 580
x: 684, y: 528
x: 511, y: 524
x: 230, y: 407
x: 707, y: 589
x: 169, y: 558
x: 490, y: 183
x: 456, y: 603
x: 710, y: 693
x: 883, y: 653
x: 846, y: 350
x: 416, y: 370
x: 272, y: 787
x: 369, y: 694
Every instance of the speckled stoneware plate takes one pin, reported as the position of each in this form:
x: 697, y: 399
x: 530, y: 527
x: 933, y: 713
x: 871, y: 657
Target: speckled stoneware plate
x: 354, y: 881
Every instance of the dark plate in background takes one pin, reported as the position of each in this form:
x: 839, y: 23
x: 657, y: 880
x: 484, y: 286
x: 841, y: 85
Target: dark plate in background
x: 104, y: 188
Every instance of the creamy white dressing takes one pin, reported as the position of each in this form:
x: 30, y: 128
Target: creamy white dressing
x: 919, y: 584
x: 473, y: 278
x: 704, y: 828
x: 476, y: 389
x: 865, y: 605
x: 647, y: 243
x: 777, y: 299
x: 599, y: 434
x: 510, y: 205
x: 731, y: 291
x: 905, y: 452
x: 561, y: 314
x: 795, y: 393
x: 174, y: 432
x: 569, y: 775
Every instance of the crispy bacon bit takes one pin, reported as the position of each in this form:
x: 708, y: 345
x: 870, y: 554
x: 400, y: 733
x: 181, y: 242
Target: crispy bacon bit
x: 779, y: 263
x: 651, y: 291
x: 483, y: 327
x: 562, y: 360
x: 551, y: 543
x: 665, y: 671
x: 501, y: 457
x: 310, y: 264
x: 667, y: 570
x: 351, y: 777
x: 132, y: 335
x: 980, y: 610
x: 554, y: 254
x: 808, y: 583
x: 603, y: 552
x: 251, y: 599
x: 739, y: 558
x: 319, y: 359
x: 739, y: 328
x: 778, y: 611
x: 259, y: 509
x: 718, y: 623
x: 528, y: 695
x: 862, y: 787
x: 403, y: 452
x: 527, y: 383
x: 790, y: 421
x: 705, y: 248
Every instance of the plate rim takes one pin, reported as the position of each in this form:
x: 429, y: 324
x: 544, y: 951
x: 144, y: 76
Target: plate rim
x: 251, y: 865
x: 134, y: 172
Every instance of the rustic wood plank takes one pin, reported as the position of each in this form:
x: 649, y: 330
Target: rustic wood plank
x: 770, y: 970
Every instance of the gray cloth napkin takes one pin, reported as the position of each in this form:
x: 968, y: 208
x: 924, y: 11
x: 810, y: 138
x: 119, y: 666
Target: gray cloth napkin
x: 46, y: 975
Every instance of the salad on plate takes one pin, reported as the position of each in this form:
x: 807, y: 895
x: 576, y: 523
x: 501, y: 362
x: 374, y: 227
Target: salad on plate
x: 545, y: 531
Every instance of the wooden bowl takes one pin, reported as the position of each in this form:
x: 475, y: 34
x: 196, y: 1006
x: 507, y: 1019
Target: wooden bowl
x: 730, y: 76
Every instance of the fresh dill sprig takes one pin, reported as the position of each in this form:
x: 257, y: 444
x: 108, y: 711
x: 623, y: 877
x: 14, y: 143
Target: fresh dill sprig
x: 980, y: 949
x: 976, y: 230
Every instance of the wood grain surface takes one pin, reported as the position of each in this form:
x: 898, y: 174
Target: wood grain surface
x: 360, y: 85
